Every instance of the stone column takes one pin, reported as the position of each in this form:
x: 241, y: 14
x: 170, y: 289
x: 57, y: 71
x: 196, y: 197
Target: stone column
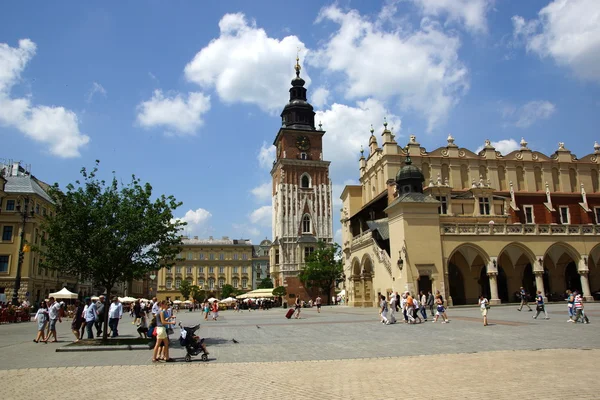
x: 585, y: 286
x: 492, y: 272
x: 539, y: 282
x: 583, y: 270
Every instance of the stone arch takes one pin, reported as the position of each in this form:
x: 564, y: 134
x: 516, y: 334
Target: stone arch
x: 366, y: 264
x: 464, y: 273
x: 593, y: 264
x: 355, y: 267
x: 517, y: 262
x: 305, y: 181
x: 367, y: 271
x: 561, y: 259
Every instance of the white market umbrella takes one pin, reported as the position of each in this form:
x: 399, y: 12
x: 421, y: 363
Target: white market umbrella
x: 127, y: 299
x: 228, y: 300
x: 95, y: 298
x: 177, y: 302
x: 64, y: 293
x: 188, y: 302
x: 212, y: 299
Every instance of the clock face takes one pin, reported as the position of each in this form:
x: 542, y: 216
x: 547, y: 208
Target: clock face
x: 302, y: 143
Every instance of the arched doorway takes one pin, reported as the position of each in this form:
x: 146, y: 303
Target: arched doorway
x: 572, y: 280
x: 528, y: 281
x: 367, y: 280
x: 457, y: 285
x: 484, y: 283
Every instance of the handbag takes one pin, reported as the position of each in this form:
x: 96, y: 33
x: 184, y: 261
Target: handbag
x: 487, y: 306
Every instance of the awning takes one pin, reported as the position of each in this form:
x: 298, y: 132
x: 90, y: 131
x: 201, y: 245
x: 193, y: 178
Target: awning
x: 258, y: 294
x: 64, y: 293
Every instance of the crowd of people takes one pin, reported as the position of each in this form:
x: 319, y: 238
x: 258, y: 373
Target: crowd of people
x: 413, y: 308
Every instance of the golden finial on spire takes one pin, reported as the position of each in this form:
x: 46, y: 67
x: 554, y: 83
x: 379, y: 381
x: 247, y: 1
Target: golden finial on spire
x: 297, y: 66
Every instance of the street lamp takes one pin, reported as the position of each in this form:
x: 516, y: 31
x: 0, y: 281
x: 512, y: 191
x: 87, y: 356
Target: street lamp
x: 25, y: 213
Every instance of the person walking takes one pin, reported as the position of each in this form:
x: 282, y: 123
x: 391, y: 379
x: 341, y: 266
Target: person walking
x: 410, y: 309
x: 539, y: 305
x: 524, y: 301
x: 570, y: 309
x: 318, y: 304
x: 297, y: 307
x: 41, y: 316
x: 439, y: 301
x: 91, y: 313
x: 578, y: 305
x: 143, y: 325
x: 54, y: 314
x: 423, y: 305
x: 115, y: 313
x: 403, y: 307
x: 99, y: 316
x: 392, y: 309
x: 484, y: 306
x: 430, y: 302
x: 215, y: 310
x: 161, y: 333
x: 383, y: 310
x: 78, y: 320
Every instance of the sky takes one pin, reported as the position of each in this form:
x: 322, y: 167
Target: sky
x: 186, y: 95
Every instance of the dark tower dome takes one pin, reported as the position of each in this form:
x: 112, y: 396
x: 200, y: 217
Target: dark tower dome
x: 298, y: 113
x: 410, y: 178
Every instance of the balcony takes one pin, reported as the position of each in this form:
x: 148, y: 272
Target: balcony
x: 519, y: 229
x: 361, y: 239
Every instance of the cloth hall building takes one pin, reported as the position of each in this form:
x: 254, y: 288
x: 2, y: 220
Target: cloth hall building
x: 467, y: 223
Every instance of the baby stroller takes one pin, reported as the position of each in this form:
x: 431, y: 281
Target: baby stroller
x: 192, y: 343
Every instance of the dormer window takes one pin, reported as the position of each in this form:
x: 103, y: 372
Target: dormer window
x: 484, y: 206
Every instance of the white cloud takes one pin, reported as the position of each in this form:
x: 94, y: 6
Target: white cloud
x: 337, y: 190
x: 423, y: 70
x: 472, y: 13
x: 245, y: 230
x: 261, y: 216
x: 55, y: 127
x: 238, y: 61
x: 528, y: 114
x: 96, y: 88
x: 347, y: 128
x: 263, y: 192
x: 337, y: 237
x: 320, y: 97
x: 197, y: 221
x: 504, y: 146
x: 568, y: 31
x: 174, y: 113
x: 266, y: 156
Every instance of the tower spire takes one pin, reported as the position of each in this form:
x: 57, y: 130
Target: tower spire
x: 297, y: 67
x: 298, y: 113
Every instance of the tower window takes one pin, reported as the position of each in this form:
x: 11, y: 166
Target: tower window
x: 303, y: 156
x: 306, y: 224
x: 305, y: 181
x: 443, y: 208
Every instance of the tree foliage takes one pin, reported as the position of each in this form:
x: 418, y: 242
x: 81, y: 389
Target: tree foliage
x: 197, y: 294
x: 109, y: 232
x: 266, y: 283
x: 279, y: 291
x: 185, y: 288
x: 227, y: 291
x: 323, y: 268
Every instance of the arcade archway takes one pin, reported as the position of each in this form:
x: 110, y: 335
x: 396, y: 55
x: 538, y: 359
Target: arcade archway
x: 561, y: 262
x: 516, y: 263
x: 464, y: 273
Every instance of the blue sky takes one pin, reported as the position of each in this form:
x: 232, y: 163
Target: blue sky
x: 188, y: 96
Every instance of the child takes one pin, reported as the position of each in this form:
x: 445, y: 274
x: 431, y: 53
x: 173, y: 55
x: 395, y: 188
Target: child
x: 143, y: 325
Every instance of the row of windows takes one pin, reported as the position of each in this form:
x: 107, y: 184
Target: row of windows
x: 211, y: 270
x: 212, y: 256
x: 210, y: 283
x: 8, y: 232
x: 11, y: 205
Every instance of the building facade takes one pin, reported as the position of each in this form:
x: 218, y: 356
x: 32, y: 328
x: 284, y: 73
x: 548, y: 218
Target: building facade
x: 209, y: 264
x: 260, y: 262
x: 24, y: 204
x: 479, y: 223
x: 302, y: 199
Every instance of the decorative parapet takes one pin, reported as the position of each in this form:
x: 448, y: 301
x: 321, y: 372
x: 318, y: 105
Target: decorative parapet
x: 383, y: 257
x: 518, y: 229
x: 361, y: 239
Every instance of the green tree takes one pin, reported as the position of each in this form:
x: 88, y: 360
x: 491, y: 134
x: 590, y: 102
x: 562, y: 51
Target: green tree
x: 266, y: 283
x: 323, y: 268
x: 227, y: 291
x: 109, y: 232
x: 279, y: 291
x: 185, y: 288
x: 198, y: 294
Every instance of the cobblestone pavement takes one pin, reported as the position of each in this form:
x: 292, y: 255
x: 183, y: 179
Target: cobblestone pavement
x: 337, y: 333
x: 499, y: 375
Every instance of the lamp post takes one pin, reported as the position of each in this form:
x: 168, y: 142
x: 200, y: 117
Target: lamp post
x: 23, y: 248
x: 152, y: 278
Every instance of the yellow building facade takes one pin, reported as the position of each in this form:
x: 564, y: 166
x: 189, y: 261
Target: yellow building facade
x: 209, y: 264
x: 475, y: 223
x: 24, y: 205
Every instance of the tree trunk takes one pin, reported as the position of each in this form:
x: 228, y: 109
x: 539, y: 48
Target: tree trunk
x: 107, y: 302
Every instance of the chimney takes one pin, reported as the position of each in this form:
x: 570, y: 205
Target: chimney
x: 15, y: 169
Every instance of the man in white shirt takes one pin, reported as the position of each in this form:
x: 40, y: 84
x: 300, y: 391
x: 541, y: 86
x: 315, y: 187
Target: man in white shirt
x: 115, y: 312
x: 53, y: 315
x: 155, y: 306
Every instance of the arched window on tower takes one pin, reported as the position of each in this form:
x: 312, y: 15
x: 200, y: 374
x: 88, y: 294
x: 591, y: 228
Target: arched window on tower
x: 305, y: 181
x: 306, y: 224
